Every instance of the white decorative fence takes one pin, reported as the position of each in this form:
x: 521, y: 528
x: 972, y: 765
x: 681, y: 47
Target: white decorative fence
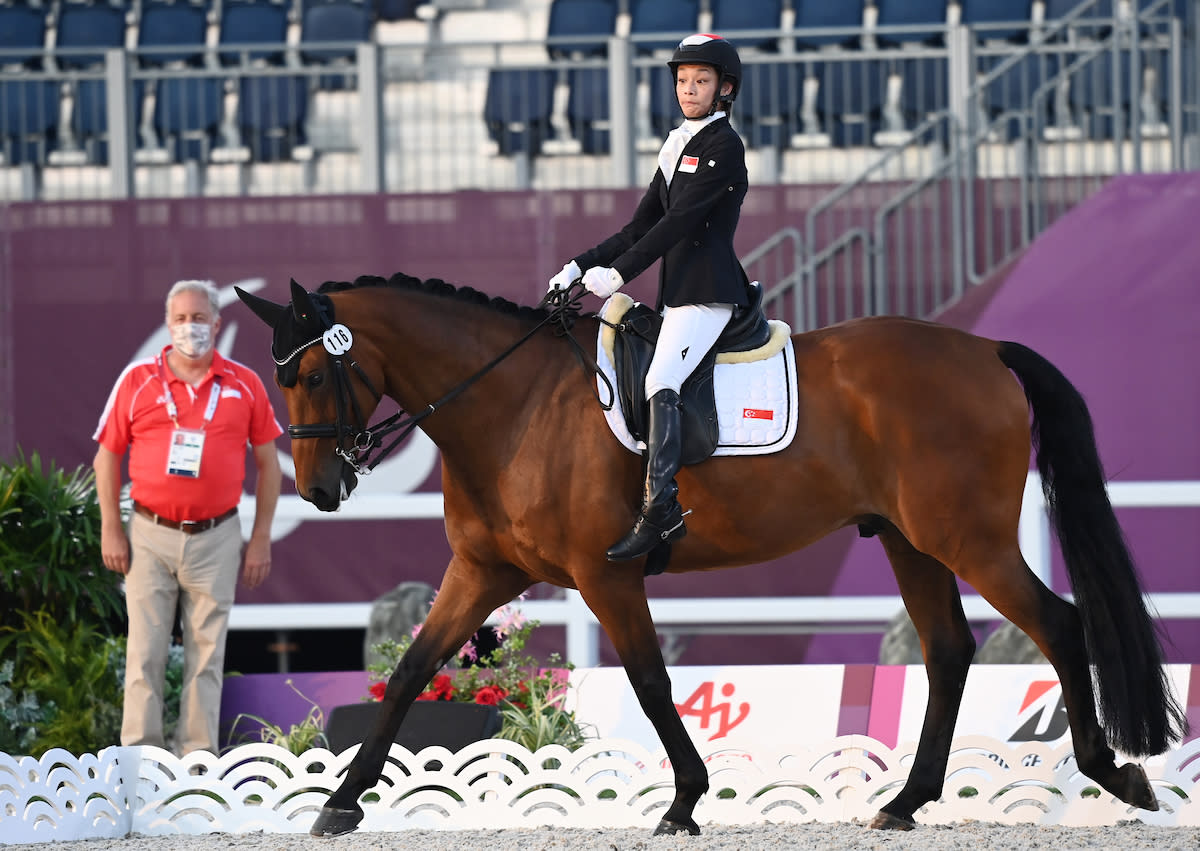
x: 606, y: 784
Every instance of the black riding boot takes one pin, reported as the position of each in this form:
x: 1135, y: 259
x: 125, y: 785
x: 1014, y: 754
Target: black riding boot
x: 661, y: 518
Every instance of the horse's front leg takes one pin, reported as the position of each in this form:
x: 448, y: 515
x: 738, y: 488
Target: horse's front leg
x: 618, y: 600
x: 469, y: 593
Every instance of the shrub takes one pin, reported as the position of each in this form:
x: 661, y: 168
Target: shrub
x: 50, y: 548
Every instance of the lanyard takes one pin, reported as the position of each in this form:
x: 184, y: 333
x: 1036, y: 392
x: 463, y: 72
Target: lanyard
x: 214, y: 396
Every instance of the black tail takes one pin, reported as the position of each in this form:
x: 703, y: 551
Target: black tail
x: 1139, y: 714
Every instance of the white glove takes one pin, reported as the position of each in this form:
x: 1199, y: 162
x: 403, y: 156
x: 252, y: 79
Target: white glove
x: 564, y: 279
x: 602, y: 281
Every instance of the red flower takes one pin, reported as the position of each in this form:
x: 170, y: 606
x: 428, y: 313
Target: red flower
x: 490, y: 695
x: 377, y: 690
x: 442, y: 688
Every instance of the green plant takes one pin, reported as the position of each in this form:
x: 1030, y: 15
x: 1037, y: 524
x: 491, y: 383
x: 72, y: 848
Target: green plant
x: 50, y: 547
x: 530, y: 695
x: 298, y: 738
x: 20, y: 716
x: 71, y: 667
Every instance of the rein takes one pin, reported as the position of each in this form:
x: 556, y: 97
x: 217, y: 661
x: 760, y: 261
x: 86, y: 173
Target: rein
x: 564, y: 310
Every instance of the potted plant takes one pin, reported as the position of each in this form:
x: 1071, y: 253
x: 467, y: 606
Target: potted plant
x: 503, y: 693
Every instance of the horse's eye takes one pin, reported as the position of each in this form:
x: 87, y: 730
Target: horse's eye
x: 314, y: 380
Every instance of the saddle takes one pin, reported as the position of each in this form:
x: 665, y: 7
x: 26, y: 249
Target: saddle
x: 633, y: 348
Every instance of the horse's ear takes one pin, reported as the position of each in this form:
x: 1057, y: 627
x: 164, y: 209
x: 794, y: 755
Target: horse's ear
x: 268, y: 311
x: 302, y: 303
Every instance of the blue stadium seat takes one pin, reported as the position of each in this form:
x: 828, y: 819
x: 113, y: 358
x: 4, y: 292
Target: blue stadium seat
x: 768, y: 106
x: 1098, y: 94
x: 341, y: 21
x: 664, y: 106
x: 182, y: 24
x: 914, y: 13
x: 679, y: 17
x: 187, y: 115
x: 270, y: 115
x: 87, y: 25
x: 517, y: 108
x: 1013, y: 90
x: 253, y: 23
x: 22, y: 35
x: 993, y: 12
x: 587, y: 23
x: 397, y: 10
x: 1100, y: 10
x: 728, y: 16
x: 850, y: 100
x: 28, y: 120
x: 816, y: 14
x: 587, y: 108
x: 924, y: 87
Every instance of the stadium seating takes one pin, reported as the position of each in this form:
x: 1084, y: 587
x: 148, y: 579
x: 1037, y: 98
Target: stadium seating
x: 162, y: 25
x: 911, y: 13
x: 585, y: 26
x: 680, y: 17
x: 768, y: 106
x: 817, y: 14
x: 28, y: 108
x: 987, y: 15
x: 729, y: 16
x: 850, y: 100
x: 518, y: 107
x: 254, y: 23
x: 270, y: 115
x: 342, y: 21
x: 587, y: 108
x: 187, y: 114
x: 22, y: 35
x: 28, y: 120
x: 88, y: 25
x: 397, y: 10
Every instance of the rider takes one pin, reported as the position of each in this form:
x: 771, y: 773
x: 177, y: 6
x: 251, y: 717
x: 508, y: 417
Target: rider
x: 687, y: 219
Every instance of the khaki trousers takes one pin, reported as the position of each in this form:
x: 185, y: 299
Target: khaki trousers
x: 199, y: 572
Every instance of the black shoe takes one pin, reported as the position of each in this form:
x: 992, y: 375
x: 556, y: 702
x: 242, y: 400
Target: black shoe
x: 647, y: 534
x: 661, y: 518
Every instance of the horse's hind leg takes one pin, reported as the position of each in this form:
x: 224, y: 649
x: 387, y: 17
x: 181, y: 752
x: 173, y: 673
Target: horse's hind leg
x: 947, y: 646
x: 618, y: 600
x: 1054, y: 625
x: 466, y: 598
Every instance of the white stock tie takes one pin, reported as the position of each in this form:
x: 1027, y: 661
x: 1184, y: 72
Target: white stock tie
x: 672, y: 149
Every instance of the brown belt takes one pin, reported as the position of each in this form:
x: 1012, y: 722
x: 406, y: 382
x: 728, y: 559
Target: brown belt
x: 188, y: 527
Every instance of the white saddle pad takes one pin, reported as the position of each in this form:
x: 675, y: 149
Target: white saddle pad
x: 755, y: 390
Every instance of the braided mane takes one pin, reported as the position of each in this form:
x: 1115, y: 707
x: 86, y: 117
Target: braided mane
x: 437, y: 287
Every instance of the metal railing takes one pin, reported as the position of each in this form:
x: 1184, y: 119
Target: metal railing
x: 733, y: 615
x: 931, y: 163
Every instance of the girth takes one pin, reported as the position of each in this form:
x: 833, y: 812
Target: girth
x: 633, y: 349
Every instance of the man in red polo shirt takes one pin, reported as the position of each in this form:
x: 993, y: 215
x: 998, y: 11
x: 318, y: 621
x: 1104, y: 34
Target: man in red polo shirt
x: 186, y: 416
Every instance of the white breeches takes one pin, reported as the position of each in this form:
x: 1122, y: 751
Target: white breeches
x: 688, y: 332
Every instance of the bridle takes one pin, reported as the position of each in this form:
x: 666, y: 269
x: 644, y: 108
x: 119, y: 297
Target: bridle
x: 356, y: 444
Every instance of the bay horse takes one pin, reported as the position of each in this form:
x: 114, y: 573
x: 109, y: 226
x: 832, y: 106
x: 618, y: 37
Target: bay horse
x: 913, y: 431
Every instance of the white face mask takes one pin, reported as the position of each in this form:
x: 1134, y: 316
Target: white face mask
x: 192, y: 339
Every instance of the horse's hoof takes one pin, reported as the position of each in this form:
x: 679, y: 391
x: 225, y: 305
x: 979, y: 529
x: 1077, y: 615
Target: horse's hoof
x: 672, y: 828
x: 887, y: 821
x: 1138, y: 790
x: 335, y: 822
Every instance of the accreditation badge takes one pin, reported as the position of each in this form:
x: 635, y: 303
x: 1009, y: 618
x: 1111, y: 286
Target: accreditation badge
x: 187, y: 445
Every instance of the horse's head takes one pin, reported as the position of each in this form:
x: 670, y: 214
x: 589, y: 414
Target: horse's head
x: 328, y: 405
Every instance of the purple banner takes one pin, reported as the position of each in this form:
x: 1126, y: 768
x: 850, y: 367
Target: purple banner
x: 1107, y: 294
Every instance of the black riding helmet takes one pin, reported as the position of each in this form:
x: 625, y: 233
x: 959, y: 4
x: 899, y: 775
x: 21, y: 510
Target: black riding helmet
x: 708, y: 49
